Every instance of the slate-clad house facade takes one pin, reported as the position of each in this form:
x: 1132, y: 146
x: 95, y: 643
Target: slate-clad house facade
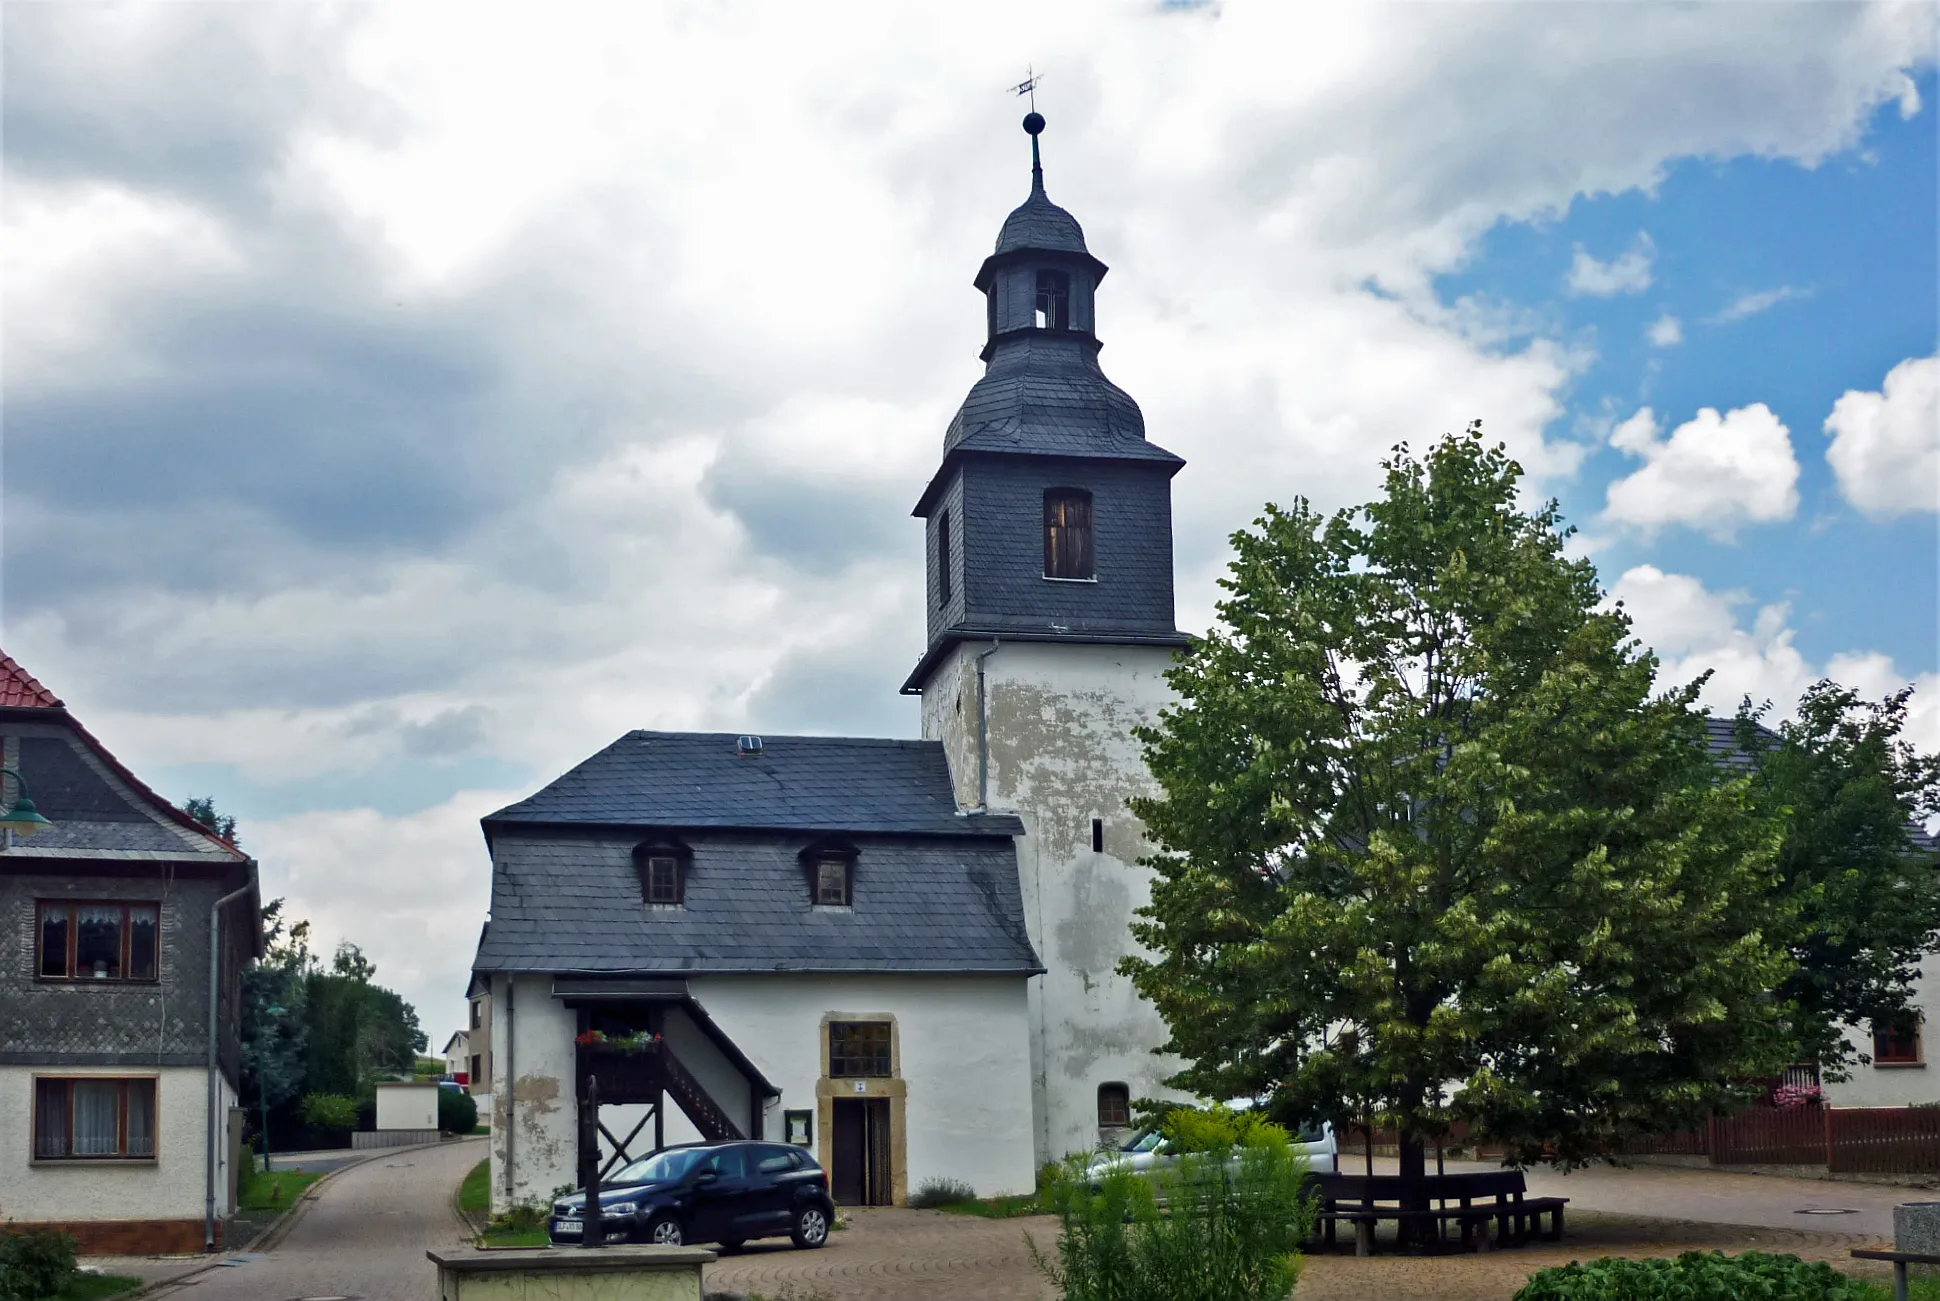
x: 105, y: 994
x: 902, y: 954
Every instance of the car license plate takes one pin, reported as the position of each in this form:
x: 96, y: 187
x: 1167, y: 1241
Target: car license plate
x: 568, y: 1228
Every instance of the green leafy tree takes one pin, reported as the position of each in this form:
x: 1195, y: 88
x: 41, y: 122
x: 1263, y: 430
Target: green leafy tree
x: 274, y: 1029
x: 1849, y: 789
x: 1430, y: 847
x: 203, y: 809
x: 358, y: 1030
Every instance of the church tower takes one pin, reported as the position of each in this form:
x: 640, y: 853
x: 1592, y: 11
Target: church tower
x: 1049, y: 549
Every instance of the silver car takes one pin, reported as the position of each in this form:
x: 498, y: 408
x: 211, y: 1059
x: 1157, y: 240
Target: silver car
x: 1147, y: 1152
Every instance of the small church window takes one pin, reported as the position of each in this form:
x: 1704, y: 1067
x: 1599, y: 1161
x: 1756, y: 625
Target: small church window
x: 1097, y: 835
x: 663, y: 879
x: 943, y: 558
x: 832, y: 882
x: 1114, y: 1106
x: 1053, y: 300
x: 1067, y: 533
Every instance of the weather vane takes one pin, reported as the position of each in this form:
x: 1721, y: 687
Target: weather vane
x: 1028, y: 86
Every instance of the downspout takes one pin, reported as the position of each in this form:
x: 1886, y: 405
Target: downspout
x: 983, y: 731
x: 510, y: 1077
x: 215, y: 977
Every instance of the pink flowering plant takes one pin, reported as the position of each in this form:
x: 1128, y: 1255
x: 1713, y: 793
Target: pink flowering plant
x: 1797, y: 1095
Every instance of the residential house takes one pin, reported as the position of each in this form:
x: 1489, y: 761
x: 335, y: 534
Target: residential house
x: 458, y: 1058
x: 127, y: 928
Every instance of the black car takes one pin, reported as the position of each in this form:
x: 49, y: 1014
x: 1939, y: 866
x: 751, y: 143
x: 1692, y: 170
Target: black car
x: 707, y: 1192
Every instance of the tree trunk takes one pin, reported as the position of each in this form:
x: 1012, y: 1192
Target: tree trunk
x: 1414, y: 1187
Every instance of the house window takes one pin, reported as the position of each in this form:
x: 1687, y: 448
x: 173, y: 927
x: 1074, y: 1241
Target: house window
x: 1053, y: 300
x: 943, y: 558
x: 1097, y: 835
x: 476, y: 1005
x: 99, y: 941
x: 858, y: 1050
x: 472, y: 1076
x: 1114, y: 1106
x: 90, y: 1119
x: 1896, y: 1045
x: 832, y: 882
x: 663, y: 879
x: 1067, y: 533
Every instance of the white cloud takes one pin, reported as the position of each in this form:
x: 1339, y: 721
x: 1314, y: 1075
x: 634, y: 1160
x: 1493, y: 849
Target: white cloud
x: 703, y: 356
x: 1665, y: 332
x: 1714, y: 473
x: 1628, y: 273
x: 1752, y: 304
x: 1885, y: 447
x: 1693, y: 629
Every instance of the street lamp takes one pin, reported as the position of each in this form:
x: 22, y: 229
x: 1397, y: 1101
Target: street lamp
x: 23, y: 817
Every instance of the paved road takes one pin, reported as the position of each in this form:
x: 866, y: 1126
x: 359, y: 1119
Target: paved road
x: 363, y: 1239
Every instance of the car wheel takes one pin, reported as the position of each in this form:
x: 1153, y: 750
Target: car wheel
x: 811, y: 1227
x: 665, y: 1231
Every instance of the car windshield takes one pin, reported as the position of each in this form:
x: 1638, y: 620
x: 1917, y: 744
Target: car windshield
x: 661, y: 1167
x: 1146, y: 1140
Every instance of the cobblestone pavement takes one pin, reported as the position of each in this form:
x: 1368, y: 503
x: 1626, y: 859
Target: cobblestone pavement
x: 364, y: 1237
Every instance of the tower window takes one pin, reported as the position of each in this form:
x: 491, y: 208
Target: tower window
x: 663, y: 879
x: 1053, y: 300
x: 1097, y: 835
x: 832, y: 882
x: 1067, y: 533
x: 943, y: 558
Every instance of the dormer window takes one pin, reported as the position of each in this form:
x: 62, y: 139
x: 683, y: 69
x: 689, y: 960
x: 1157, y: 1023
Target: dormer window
x: 829, y: 866
x: 1067, y: 533
x: 1053, y: 300
x: 832, y: 882
x: 662, y: 865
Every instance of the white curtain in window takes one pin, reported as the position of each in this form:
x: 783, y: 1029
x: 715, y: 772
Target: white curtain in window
x: 97, y: 1117
x: 141, y: 1118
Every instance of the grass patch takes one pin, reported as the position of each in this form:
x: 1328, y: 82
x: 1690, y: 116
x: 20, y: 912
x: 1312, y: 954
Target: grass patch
x: 275, y: 1190
x: 481, y: 1129
x: 1918, y: 1289
x: 97, y: 1287
x: 997, y: 1208
x: 514, y: 1238
x: 475, y: 1194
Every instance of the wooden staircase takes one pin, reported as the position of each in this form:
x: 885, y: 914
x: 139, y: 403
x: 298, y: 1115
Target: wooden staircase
x: 713, y: 1123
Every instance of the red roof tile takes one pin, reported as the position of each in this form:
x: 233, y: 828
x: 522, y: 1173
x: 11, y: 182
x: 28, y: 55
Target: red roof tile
x: 19, y: 690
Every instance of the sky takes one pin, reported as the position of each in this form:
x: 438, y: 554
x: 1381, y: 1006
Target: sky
x: 402, y: 401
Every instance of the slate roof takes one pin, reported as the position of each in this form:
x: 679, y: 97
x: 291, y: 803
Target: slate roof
x: 98, y: 806
x: 1721, y: 736
x: 571, y: 903
x: 1047, y: 396
x: 1037, y: 223
x: 799, y: 783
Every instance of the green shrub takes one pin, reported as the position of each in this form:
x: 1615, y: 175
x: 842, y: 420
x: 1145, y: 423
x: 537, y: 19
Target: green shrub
x: 35, y: 1264
x: 523, y: 1218
x: 1231, y: 1231
x: 329, y: 1111
x: 1694, y: 1276
x: 457, y: 1111
x: 941, y: 1192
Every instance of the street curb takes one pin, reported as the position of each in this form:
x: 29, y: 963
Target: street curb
x: 472, y: 1228
x: 277, y: 1230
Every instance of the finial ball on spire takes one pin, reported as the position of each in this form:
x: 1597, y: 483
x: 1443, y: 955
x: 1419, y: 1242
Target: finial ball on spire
x: 1034, y: 122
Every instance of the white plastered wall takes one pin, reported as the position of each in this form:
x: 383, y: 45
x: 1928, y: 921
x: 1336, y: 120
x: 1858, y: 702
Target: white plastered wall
x: 170, y: 1187
x: 1061, y: 753
x: 962, y: 1041
x: 1897, y: 1086
x: 533, y: 1061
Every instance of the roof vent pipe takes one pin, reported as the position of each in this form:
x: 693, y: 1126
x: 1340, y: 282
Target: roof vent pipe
x: 748, y: 745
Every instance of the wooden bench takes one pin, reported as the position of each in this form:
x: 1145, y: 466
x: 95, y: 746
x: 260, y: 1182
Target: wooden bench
x: 1900, y: 1260
x: 1500, y: 1196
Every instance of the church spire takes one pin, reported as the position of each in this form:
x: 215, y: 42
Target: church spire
x: 1034, y: 124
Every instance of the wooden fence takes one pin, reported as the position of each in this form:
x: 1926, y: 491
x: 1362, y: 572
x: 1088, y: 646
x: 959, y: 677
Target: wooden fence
x: 1845, y: 1140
